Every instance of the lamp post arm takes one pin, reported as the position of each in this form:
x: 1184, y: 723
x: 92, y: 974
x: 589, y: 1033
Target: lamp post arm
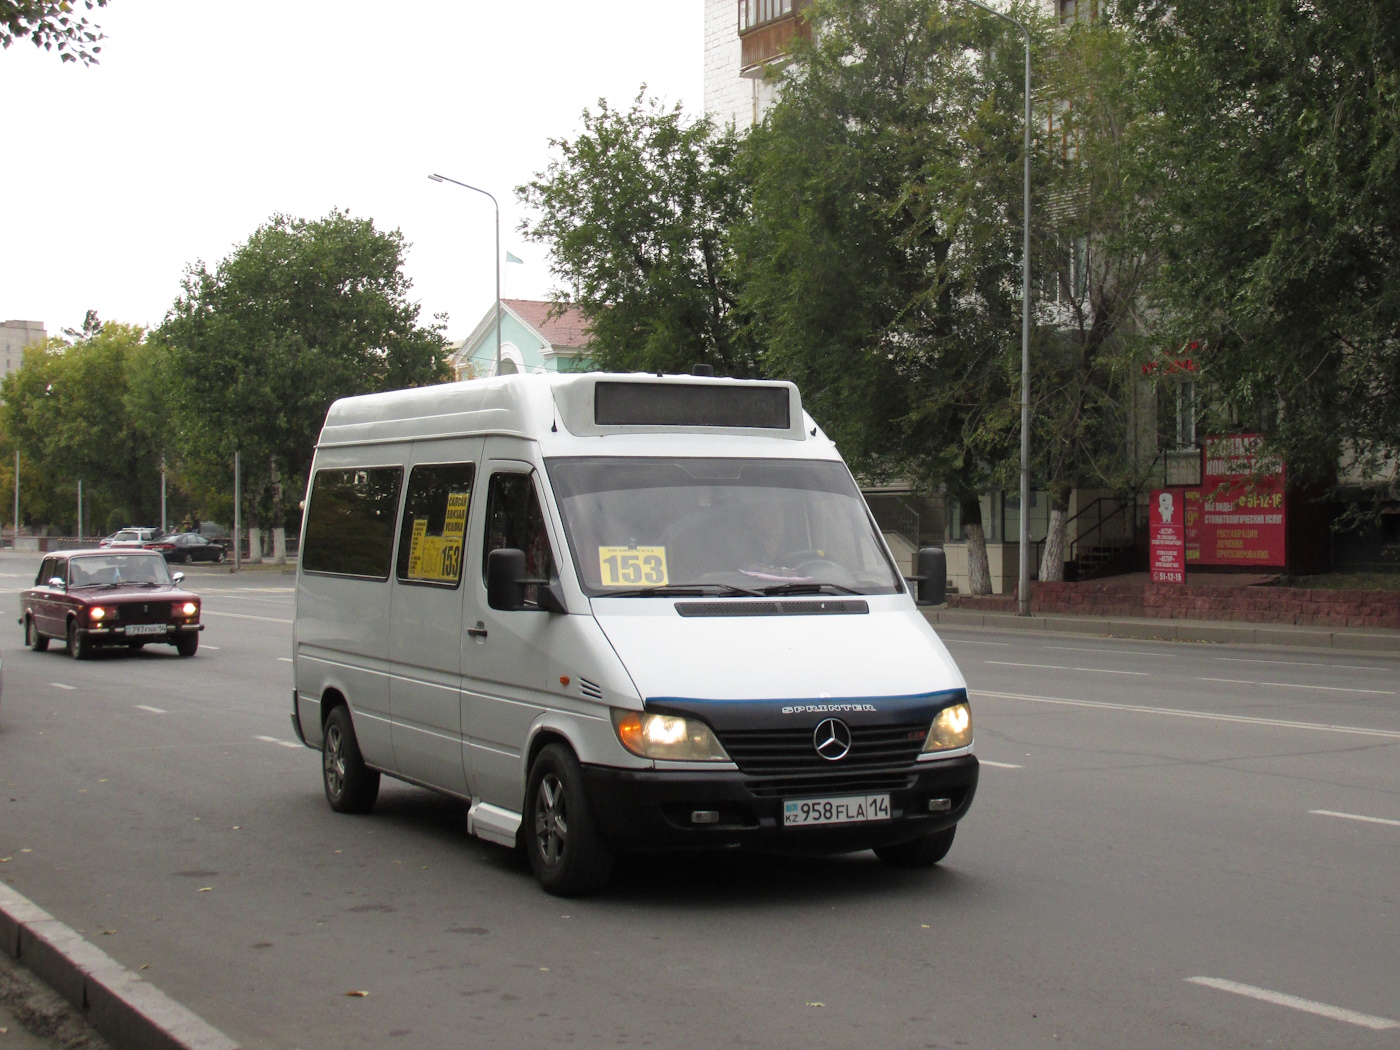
x: 477, y: 189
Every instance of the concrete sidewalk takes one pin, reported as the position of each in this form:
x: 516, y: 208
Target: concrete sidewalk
x: 1338, y: 638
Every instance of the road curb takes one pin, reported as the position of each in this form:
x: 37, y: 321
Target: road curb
x: 130, y: 1012
x: 1380, y: 642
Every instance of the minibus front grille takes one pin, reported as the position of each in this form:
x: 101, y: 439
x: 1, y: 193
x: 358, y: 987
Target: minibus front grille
x: 807, y: 607
x: 816, y: 786
x: 771, y: 752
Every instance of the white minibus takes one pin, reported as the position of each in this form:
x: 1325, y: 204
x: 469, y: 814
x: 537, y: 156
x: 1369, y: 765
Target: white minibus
x: 620, y: 612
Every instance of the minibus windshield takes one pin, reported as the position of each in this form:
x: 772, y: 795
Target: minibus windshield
x: 639, y: 526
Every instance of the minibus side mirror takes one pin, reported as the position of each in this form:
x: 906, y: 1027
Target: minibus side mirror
x: 506, y: 582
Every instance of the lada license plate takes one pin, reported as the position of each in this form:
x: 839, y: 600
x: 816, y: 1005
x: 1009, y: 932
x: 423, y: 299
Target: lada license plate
x: 853, y: 809
x: 145, y: 628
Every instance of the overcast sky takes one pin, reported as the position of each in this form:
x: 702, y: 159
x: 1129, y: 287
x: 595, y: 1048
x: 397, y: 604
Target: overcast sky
x: 207, y: 116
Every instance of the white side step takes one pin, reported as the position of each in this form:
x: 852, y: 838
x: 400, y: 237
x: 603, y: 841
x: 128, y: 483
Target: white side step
x: 493, y: 823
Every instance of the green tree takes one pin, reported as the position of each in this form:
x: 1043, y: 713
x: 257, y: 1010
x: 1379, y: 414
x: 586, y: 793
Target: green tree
x: 637, y: 212
x: 1095, y: 252
x: 50, y: 24
x: 304, y: 312
x: 83, y: 411
x: 1279, y: 143
x: 880, y: 265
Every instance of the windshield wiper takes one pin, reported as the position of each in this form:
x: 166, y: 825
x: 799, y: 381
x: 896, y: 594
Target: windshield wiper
x: 808, y: 588
x: 694, y: 590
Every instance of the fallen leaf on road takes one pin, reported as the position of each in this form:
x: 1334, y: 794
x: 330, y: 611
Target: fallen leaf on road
x: 544, y: 969
x: 4, y: 860
x: 357, y: 995
x: 26, y: 851
x: 108, y: 933
x: 339, y: 851
x: 145, y: 966
x: 206, y: 889
x: 816, y: 1004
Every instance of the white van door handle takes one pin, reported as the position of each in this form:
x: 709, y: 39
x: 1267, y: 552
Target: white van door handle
x: 479, y: 631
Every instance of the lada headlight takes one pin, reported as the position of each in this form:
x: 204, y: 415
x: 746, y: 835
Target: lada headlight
x: 97, y: 612
x: 651, y: 735
x: 189, y: 608
x: 952, y: 728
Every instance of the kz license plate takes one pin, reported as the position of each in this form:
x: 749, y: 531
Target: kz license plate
x: 145, y: 628
x: 854, y: 809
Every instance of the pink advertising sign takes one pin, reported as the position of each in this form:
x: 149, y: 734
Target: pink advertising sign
x: 1166, y: 525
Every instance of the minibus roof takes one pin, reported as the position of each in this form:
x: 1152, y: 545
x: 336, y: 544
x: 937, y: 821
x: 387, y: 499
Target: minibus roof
x: 571, y: 414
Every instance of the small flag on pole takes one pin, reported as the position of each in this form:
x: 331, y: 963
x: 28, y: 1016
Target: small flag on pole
x: 512, y: 259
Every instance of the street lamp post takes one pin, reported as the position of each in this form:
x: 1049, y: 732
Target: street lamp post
x: 1023, y: 584
x: 477, y: 189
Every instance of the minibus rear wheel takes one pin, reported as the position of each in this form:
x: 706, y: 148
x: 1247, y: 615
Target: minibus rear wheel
x: 351, y: 786
x: 921, y: 853
x: 569, y: 856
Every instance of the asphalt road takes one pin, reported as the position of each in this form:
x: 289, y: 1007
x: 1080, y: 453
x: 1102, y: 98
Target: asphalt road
x: 1148, y: 814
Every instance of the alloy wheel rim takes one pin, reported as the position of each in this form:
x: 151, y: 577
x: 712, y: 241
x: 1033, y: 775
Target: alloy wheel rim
x: 551, y: 820
x: 335, y: 762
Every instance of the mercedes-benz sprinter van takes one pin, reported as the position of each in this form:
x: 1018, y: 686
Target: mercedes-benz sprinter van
x: 620, y: 612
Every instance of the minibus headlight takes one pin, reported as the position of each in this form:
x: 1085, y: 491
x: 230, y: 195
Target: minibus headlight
x: 651, y: 735
x: 952, y: 728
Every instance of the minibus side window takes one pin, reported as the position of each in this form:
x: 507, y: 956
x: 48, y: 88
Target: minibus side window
x: 433, y: 535
x: 350, y: 522
x: 514, y: 519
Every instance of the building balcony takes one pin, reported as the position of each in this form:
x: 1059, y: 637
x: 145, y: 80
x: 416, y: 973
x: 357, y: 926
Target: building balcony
x: 766, y: 29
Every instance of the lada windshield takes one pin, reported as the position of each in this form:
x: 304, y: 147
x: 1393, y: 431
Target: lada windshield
x: 114, y: 570
x: 763, y: 526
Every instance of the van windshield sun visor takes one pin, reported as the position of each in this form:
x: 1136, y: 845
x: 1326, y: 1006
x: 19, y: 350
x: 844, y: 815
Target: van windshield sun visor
x: 691, y: 405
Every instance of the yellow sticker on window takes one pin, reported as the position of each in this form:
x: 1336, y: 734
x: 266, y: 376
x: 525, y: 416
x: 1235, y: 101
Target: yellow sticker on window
x: 438, y: 559
x: 633, y: 566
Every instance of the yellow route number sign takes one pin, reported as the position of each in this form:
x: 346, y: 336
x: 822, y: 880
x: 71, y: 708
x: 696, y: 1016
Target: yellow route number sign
x: 438, y: 559
x: 633, y: 566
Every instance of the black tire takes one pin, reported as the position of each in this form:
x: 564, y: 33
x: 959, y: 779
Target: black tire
x: 921, y: 853
x: 79, y: 646
x: 32, y: 638
x: 136, y: 647
x: 351, y: 786
x: 567, y: 850
x: 187, y: 644
x: 221, y: 556
x: 186, y: 558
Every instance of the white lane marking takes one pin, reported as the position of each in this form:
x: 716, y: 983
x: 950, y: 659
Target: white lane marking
x: 998, y: 765
x: 1208, y: 716
x: 148, y: 707
x: 1111, y: 652
x: 274, y: 740
x: 1300, y: 663
x: 1058, y: 667
x: 60, y: 685
x: 1355, y: 816
x: 209, y: 647
x: 246, y: 616
x: 970, y: 641
x: 1300, y: 685
x: 246, y: 598
x: 285, y: 659
x: 1336, y: 1013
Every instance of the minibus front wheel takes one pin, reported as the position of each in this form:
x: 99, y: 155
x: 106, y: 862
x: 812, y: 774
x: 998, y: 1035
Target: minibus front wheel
x: 351, y: 786
x: 921, y: 853
x: 567, y: 851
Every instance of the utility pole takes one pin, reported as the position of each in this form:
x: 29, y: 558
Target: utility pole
x: 162, y: 495
x: 237, y: 519
x: 15, y: 545
x: 80, y: 510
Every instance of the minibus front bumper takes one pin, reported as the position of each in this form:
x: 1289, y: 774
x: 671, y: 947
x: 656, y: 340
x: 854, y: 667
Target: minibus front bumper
x: 655, y: 809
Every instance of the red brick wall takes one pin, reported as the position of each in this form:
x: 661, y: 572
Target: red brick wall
x: 1296, y: 605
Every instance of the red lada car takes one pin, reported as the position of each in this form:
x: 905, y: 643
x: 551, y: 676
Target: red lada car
x: 109, y: 597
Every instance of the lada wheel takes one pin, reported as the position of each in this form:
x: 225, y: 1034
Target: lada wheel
x: 566, y: 850
x: 32, y: 638
x: 79, y: 646
x: 921, y: 853
x: 187, y: 644
x: 351, y: 786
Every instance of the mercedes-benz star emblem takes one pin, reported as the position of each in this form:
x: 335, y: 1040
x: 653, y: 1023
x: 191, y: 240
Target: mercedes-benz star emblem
x: 832, y: 739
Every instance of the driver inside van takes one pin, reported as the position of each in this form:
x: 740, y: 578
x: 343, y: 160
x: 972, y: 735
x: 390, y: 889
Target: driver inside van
x: 771, y: 542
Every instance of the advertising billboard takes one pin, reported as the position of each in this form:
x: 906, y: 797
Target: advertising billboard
x: 1236, y: 517
x: 1166, y: 535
